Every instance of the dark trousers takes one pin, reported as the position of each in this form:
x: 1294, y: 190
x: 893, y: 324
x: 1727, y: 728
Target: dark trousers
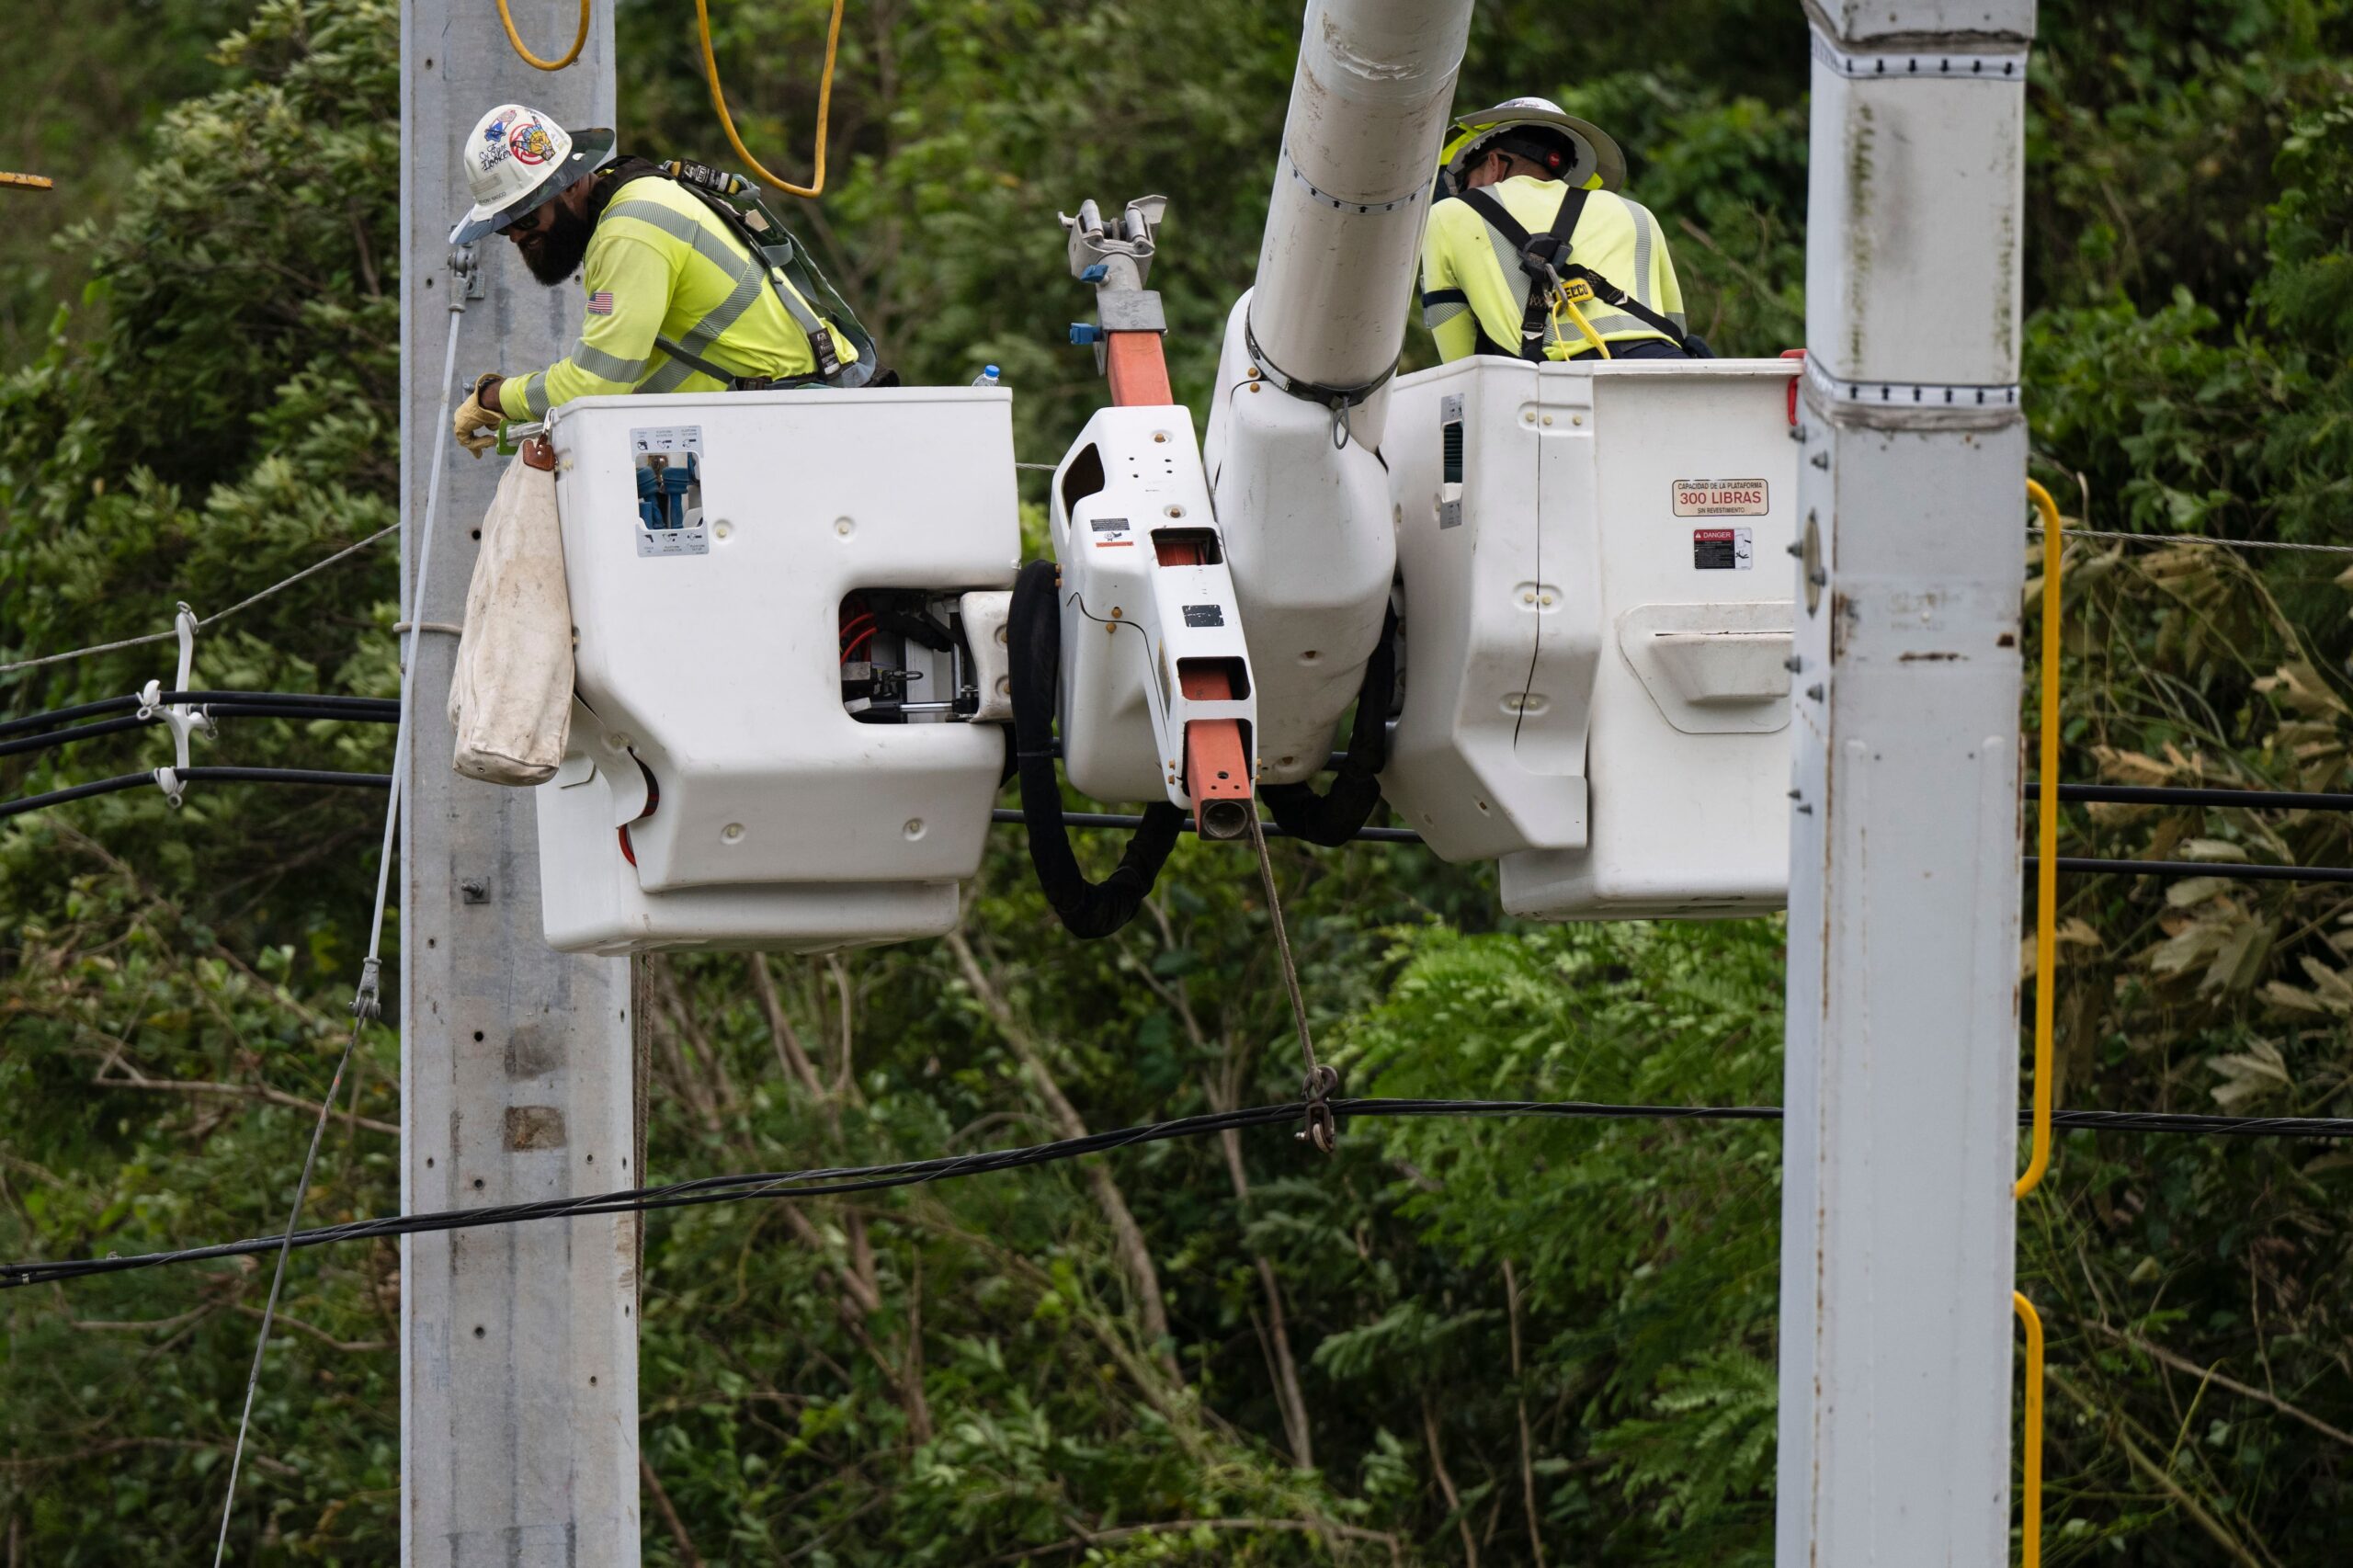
x: 1645, y: 349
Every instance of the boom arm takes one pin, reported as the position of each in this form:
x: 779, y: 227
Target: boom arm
x: 1298, y: 413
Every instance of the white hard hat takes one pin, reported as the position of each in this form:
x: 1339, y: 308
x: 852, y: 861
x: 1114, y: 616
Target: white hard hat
x: 518, y: 159
x: 1598, y: 162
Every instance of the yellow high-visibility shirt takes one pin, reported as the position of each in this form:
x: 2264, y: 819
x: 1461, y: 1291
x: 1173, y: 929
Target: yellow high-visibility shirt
x: 1472, y: 284
x: 661, y: 263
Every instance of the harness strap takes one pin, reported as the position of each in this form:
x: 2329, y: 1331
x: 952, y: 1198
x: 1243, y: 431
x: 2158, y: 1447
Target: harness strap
x: 733, y: 381
x: 1617, y: 298
x: 1538, y: 254
x: 812, y: 326
x: 1550, y: 253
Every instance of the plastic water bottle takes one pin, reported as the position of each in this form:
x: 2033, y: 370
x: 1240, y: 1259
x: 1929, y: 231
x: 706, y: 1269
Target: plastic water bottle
x: 988, y: 377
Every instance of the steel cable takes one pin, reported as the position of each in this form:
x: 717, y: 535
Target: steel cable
x: 279, y: 586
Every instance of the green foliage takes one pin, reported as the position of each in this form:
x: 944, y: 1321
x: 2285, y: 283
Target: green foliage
x: 1221, y: 1352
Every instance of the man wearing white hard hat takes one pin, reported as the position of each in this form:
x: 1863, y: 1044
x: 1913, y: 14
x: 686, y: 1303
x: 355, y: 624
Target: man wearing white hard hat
x: 1531, y: 252
x: 685, y: 290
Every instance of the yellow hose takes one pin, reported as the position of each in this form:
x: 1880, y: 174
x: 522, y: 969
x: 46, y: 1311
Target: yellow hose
x: 2046, y: 870
x: 727, y: 122
x: 2031, y: 1523
x: 579, y: 41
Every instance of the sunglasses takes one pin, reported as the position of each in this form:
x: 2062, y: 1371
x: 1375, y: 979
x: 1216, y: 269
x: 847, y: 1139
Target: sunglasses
x: 537, y: 221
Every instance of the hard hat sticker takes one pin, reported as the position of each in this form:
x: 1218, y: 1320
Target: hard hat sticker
x: 1720, y: 498
x: 668, y: 463
x: 531, y: 144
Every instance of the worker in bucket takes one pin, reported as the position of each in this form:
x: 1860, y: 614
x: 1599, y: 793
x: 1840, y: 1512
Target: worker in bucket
x: 1531, y: 253
x: 691, y: 287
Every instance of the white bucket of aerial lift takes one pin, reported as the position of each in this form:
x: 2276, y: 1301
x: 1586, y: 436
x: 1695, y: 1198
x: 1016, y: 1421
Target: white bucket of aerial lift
x: 709, y: 659
x: 1597, y: 626
x: 1130, y: 488
x: 591, y: 901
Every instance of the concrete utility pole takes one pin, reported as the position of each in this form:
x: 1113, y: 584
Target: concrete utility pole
x: 1903, y: 1065
x: 518, y: 1345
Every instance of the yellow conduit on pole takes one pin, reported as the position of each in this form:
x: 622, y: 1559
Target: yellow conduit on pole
x: 579, y: 41
x: 727, y: 122
x: 2031, y: 1525
x: 2046, y: 870
x: 2046, y: 966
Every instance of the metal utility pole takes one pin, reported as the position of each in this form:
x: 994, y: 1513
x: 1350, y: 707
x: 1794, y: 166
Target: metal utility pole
x: 518, y: 1345
x: 1903, y: 1055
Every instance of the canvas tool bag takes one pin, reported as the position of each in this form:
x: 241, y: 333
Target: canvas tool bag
x: 510, y: 696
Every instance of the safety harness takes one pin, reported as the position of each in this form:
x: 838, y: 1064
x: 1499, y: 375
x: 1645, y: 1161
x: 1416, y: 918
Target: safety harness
x: 791, y: 277
x: 1551, y: 276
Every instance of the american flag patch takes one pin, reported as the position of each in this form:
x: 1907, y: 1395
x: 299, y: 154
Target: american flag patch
x: 600, y: 303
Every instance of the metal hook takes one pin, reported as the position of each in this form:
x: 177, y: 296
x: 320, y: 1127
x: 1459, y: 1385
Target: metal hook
x: 1322, y: 1130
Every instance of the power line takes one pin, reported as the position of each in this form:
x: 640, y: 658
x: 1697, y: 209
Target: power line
x: 215, y: 701
x: 2167, y: 795
x: 840, y: 1180
x: 2202, y: 539
x: 262, y: 705
x: 247, y: 603
x: 2229, y: 870
x: 2072, y: 865
x: 198, y: 775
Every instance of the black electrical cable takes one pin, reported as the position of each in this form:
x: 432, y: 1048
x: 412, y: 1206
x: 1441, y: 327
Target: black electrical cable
x: 77, y: 792
x: 388, y: 713
x: 2229, y: 870
x: 43, y: 741
x: 2071, y: 864
x: 306, y: 699
x: 1034, y: 637
x: 840, y: 1180
x: 62, y: 715
x: 198, y: 775
x: 2251, y: 800
x: 55, y: 716
x: 322, y: 776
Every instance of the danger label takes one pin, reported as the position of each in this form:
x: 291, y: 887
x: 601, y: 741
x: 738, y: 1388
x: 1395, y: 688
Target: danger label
x: 1723, y: 550
x: 1719, y: 497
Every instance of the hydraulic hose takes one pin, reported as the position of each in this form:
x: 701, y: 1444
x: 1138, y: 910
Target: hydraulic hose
x: 816, y: 184
x: 579, y: 40
x: 1339, y: 813
x: 1087, y: 910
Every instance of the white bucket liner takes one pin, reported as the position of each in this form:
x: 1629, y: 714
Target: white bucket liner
x: 510, y: 696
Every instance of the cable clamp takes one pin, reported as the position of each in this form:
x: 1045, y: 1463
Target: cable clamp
x: 1322, y: 1130
x: 183, y: 718
x: 1337, y: 399
x: 466, y: 273
x: 365, y: 1002
x: 168, y: 780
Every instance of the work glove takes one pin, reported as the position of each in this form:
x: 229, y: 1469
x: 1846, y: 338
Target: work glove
x: 476, y: 424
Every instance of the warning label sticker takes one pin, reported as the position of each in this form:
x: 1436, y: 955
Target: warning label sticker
x: 1719, y: 497
x: 1723, y: 550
